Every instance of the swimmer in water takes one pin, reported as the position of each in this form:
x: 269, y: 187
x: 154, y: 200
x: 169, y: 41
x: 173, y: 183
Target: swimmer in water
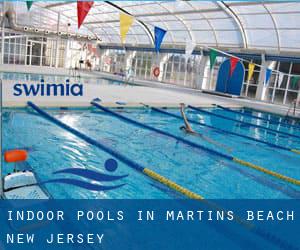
x: 188, y: 129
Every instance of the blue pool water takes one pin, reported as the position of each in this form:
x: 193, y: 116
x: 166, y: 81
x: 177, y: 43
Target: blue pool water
x: 52, y: 149
x: 56, y: 79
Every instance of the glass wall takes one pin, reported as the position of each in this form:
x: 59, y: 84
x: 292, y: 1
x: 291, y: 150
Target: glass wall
x: 194, y: 72
x: 284, y: 91
x: 14, y: 51
x: 32, y: 50
x: 250, y: 87
x: 176, y: 70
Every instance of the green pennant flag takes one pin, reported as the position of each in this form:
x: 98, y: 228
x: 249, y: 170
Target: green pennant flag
x: 212, y: 56
x: 295, y: 80
x: 29, y: 4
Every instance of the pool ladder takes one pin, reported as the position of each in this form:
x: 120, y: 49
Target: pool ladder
x: 73, y: 72
x: 292, y: 106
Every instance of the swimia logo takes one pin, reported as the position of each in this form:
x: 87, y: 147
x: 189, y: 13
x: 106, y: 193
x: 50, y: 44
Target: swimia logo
x: 48, y: 89
x: 93, y: 178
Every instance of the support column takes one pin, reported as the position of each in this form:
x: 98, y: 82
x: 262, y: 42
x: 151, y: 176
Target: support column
x: 67, y: 64
x: 3, y: 34
x: 261, y: 92
x: 261, y: 89
x: 130, y: 74
x: 131, y: 55
x: 203, y: 78
x: 57, y: 41
x: 161, y: 67
x: 2, y: 42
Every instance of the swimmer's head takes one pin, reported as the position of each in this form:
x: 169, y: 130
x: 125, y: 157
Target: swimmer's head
x: 182, y: 128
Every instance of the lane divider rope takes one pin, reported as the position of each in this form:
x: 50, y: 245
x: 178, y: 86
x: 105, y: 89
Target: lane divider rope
x: 225, y: 131
x: 136, y: 166
x: 145, y: 126
x: 274, y: 115
x: 269, y: 172
x: 195, y: 145
x: 172, y: 184
x: 296, y: 151
x: 248, y: 123
x: 157, y: 177
x: 257, y: 117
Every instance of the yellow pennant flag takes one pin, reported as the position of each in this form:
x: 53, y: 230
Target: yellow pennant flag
x: 250, y: 71
x: 125, y: 23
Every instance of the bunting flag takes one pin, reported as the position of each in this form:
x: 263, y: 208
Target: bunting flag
x: 280, y: 79
x: 295, y: 80
x: 268, y: 76
x: 29, y: 4
x: 233, y: 63
x: 83, y: 8
x: 125, y: 23
x: 159, y: 35
x: 189, y: 48
x: 212, y: 57
x: 251, y: 67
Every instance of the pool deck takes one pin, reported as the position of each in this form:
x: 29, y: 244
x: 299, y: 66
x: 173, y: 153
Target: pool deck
x: 110, y: 94
x: 146, y: 92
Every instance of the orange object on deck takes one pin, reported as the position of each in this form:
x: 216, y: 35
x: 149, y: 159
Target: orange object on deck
x: 156, y: 71
x: 15, y: 155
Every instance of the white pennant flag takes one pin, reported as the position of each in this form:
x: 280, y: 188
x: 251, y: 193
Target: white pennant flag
x: 280, y: 79
x: 189, y: 48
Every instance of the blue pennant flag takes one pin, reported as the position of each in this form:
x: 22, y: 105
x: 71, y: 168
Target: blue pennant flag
x: 159, y: 34
x: 268, y: 75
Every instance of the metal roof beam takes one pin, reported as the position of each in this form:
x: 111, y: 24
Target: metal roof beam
x: 236, y: 19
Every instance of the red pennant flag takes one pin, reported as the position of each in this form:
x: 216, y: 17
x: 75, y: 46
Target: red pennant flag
x: 83, y: 9
x: 233, y: 62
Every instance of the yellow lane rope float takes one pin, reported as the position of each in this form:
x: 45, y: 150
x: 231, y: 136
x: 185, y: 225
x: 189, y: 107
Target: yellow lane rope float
x: 171, y: 184
x: 266, y: 171
x: 296, y: 151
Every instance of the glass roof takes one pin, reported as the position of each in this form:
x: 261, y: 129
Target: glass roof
x: 266, y: 25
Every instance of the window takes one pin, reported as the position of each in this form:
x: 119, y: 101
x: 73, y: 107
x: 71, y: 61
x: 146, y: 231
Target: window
x: 23, y: 49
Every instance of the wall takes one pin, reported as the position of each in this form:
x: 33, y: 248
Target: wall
x: 196, y: 73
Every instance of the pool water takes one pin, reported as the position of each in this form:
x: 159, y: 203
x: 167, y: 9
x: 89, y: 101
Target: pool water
x: 52, y: 148
x: 57, y: 79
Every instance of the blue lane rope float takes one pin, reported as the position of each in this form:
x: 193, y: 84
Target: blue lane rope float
x: 225, y: 131
x: 136, y: 166
x: 257, y: 117
x: 242, y: 122
x: 157, y: 177
x: 121, y: 103
x: 97, y: 99
x: 195, y: 145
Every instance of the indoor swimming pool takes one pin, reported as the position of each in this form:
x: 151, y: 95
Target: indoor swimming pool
x: 14, y: 76
x: 52, y: 148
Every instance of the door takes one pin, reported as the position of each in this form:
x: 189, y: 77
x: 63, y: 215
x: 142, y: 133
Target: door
x: 230, y: 84
x: 34, y: 52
